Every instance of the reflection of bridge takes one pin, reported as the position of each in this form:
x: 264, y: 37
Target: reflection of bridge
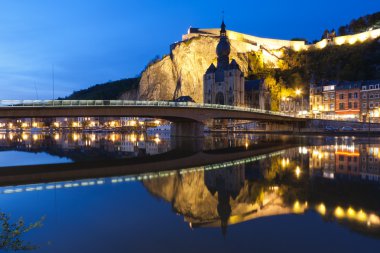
x: 187, y: 117
x: 129, y: 178
x: 34, y: 174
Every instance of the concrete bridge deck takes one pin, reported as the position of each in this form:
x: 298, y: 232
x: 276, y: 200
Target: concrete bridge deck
x: 174, y: 111
x: 187, y: 117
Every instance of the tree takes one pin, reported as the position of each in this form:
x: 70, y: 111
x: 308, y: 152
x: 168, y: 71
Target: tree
x: 11, y: 234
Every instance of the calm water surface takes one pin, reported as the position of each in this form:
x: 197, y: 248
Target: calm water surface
x: 235, y: 193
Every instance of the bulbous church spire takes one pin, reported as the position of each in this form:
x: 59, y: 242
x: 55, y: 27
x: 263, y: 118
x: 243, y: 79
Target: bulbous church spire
x: 223, y: 49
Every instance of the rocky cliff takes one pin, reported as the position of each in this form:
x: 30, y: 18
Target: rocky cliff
x: 190, y: 196
x: 181, y: 72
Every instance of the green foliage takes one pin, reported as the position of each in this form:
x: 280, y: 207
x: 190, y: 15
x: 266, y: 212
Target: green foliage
x: 106, y: 91
x: 256, y: 67
x: 345, y: 62
x: 11, y: 233
x: 361, y: 24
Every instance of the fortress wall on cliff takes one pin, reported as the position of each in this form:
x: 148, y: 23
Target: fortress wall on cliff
x: 273, y: 44
x: 348, y: 39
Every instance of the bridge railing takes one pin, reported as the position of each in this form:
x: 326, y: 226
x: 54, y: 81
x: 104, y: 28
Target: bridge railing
x: 85, y: 103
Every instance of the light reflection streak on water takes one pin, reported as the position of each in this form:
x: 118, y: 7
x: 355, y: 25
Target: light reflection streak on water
x: 131, y: 178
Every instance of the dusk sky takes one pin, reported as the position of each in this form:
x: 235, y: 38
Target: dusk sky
x: 91, y: 42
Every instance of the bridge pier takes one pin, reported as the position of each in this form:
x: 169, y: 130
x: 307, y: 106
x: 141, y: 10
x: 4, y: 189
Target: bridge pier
x: 187, y: 129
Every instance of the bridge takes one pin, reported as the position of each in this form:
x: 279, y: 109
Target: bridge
x: 187, y: 117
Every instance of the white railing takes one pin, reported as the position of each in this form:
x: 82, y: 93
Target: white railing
x: 89, y: 103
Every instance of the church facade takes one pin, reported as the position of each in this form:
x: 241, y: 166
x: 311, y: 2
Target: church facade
x: 225, y: 83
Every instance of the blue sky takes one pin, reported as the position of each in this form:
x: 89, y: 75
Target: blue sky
x: 91, y: 42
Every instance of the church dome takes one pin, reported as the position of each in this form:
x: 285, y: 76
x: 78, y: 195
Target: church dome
x: 223, y: 48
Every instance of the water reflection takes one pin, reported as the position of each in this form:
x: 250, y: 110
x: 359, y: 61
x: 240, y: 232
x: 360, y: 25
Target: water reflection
x: 81, y: 146
x: 334, y: 178
x: 280, y: 185
x: 89, y: 146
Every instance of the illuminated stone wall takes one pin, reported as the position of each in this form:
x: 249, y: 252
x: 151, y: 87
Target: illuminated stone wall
x: 273, y: 44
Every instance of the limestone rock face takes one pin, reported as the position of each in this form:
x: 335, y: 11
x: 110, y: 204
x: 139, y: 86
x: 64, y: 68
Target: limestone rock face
x: 181, y: 72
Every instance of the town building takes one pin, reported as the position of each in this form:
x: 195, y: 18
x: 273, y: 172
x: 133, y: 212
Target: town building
x: 257, y: 95
x: 347, y: 101
x: 328, y: 100
x: 315, y: 99
x: 370, y: 101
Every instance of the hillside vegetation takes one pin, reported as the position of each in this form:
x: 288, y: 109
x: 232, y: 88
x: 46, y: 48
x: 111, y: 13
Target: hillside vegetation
x: 361, y: 24
x: 106, y: 91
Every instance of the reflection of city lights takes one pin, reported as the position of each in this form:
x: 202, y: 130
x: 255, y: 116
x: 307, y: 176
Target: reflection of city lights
x: 362, y: 216
x: 133, y: 137
x: 351, y: 213
x: 302, y: 150
x: 25, y: 136
x: 298, y: 208
x: 56, y: 137
x: 35, y: 137
x: 298, y: 172
x: 113, y: 137
x: 283, y: 162
x: 321, y: 208
x: 339, y: 212
x: 246, y: 145
x: 75, y: 137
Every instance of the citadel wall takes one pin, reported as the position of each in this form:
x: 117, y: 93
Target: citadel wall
x: 273, y: 44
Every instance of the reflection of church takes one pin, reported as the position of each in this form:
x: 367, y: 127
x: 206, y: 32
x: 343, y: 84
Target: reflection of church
x: 225, y: 83
x: 227, y: 183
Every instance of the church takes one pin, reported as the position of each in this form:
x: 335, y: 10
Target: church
x: 225, y: 84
